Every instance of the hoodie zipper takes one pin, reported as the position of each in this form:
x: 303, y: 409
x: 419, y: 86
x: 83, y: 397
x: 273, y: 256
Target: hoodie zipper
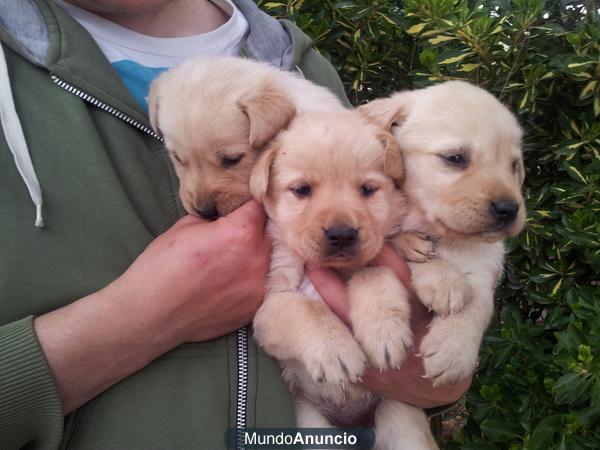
x: 105, y: 107
x: 242, y: 333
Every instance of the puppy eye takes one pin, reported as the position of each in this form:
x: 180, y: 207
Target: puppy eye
x: 231, y: 161
x: 367, y: 191
x: 458, y: 160
x: 301, y: 191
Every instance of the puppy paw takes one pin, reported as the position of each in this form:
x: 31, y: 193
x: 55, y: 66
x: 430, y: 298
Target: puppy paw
x: 380, y: 316
x: 336, y: 358
x: 415, y: 247
x: 449, y: 353
x: 440, y: 287
x: 387, y: 340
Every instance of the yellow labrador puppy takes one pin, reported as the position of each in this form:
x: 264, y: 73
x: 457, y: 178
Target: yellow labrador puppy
x: 330, y: 186
x: 463, y: 175
x: 216, y: 114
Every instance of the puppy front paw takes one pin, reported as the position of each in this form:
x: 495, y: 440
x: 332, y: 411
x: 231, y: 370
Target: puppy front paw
x: 385, y: 340
x: 440, y: 287
x: 380, y: 316
x: 334, y: 358
x: 449, y: 353
x: 415, y: 247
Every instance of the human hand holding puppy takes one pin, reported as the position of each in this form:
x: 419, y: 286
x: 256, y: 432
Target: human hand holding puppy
x: 195, y: 282
x: 406, y: 384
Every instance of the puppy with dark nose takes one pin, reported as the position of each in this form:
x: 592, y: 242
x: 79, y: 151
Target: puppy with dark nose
x: 216, y: 126
x: 329, y: 185
x: 463, y: 175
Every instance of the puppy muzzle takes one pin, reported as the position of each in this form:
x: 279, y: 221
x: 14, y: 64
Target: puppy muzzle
x: 340, y: 240
x: 504, y: 212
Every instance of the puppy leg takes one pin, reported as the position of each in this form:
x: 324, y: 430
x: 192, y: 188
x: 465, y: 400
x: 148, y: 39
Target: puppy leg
x: 451, y: 346
x: 292, y: 327
x: 414, y: 247
x: 441, y: 287
x: 399, y: 426
x: 380, y: 316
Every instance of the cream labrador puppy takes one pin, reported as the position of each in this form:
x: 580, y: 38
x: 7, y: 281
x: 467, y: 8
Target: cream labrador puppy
x: 464, y: 171
x: 216, y: 114
x: 330, y: 186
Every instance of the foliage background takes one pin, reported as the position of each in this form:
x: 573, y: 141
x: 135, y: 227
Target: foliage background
x: 539, y: 383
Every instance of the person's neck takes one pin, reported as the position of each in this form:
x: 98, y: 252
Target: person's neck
x: 178, y: 18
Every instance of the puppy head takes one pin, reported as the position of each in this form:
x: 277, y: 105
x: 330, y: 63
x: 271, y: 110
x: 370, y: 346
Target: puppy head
x: 214, y: 127
x: 329, y: 185
x: 462, y: 153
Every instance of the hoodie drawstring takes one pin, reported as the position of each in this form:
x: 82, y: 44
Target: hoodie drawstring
x: 16, y: 141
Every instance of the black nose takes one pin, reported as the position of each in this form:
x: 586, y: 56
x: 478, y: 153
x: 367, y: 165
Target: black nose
x: 341, y: 237
x: 504, y: 210
x: 208, y: 212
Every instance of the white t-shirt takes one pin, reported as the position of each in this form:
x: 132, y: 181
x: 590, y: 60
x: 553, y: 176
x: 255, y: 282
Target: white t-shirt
x: 139, y: 58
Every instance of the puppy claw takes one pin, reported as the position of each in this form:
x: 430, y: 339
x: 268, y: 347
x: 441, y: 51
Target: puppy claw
x: 415, y: 247
x: 451, y: 354
x: 344, y: 367
x: 441, y: 287
x: 335, y: 357
x: 387, y: 356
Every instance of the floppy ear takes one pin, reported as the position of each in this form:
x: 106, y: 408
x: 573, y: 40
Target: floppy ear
x: 389, y: 111
x: 269, y: 111
x: 153, y: 100
x: 393, y: 166
x: 261, y: 172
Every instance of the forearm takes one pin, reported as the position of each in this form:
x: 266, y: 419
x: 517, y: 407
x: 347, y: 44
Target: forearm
x: 97, y: 341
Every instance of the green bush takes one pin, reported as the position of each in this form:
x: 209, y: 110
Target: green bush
x: 539, y: 383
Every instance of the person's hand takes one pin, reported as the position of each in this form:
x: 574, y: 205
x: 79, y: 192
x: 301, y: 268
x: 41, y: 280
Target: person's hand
x: 202, y: 279
x: 408, y: 383
x: 195, y: 282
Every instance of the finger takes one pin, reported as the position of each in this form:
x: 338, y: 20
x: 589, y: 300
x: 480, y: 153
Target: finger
x: 333, y: 291
x: 251, y: 211
x: 388, y: 257
x: 408, y: 387
x: 188, y: 220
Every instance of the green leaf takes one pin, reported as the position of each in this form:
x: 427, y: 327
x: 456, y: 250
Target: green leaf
x: 454, y: 59
x: 569, y: 388
x: 543, y: 434
x: 468, y: 67
x: 588, y: 88
x: 415, y: 29
x: 440, y: 39
x: 499, y: 430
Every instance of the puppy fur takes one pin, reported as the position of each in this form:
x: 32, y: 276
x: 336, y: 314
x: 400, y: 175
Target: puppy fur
x: 328, y: 174
x: 216, y: 115
x: 461, y: 150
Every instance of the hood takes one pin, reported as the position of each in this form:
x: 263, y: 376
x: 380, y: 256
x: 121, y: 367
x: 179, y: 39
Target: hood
x: 41, y: 32
x: 25, y: 27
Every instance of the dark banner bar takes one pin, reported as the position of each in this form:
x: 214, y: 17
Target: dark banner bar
x: 300, y: 438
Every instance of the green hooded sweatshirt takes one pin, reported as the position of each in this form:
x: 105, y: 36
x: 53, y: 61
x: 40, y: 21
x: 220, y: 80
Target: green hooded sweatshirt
x: 107, y: 192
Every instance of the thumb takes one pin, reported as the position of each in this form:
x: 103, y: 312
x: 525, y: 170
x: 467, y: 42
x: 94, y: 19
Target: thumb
x: 333, y: 291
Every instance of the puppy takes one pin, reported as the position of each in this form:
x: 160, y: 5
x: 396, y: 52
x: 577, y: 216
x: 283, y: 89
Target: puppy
x: 330, y: 186
x: 463, y: 175
x: 215, y: 115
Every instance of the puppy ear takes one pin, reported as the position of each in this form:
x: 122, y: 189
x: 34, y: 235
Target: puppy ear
x: 269, y: 111
x: 261, y: 173
x: 389, y: 111
x: 153, y: 100
x: 393, y: 166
